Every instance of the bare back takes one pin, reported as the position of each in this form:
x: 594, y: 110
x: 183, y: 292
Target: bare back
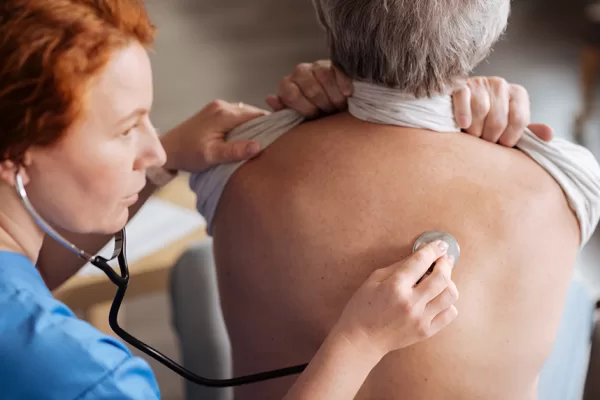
x: 301, y: 227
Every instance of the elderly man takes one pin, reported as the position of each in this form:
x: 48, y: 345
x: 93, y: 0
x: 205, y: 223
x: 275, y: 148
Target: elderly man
x: 331, y: 200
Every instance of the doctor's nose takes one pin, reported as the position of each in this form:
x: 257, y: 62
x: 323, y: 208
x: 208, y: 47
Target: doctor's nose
x: 152, y: 153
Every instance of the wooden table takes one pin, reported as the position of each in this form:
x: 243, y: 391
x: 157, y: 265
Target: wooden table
x: 93, y: 294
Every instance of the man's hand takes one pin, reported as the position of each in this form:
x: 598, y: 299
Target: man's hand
x: 489, y: 108
x: 199, y: 142
x: 312, y: 89
x: 496, y: 111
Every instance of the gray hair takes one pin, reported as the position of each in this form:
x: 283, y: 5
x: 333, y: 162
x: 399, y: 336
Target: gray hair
x: 422, y: 47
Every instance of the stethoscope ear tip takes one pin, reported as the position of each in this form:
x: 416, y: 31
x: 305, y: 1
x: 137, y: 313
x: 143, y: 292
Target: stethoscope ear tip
x: 432, y: 236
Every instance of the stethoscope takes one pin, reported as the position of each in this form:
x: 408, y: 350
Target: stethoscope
x: 122, y: 280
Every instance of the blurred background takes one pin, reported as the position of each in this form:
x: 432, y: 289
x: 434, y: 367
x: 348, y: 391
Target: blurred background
x: 238, y: 50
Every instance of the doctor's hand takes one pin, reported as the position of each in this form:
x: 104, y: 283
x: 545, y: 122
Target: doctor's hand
x: 199, y: 142
x: 486, y: 107
x: 391, y: 310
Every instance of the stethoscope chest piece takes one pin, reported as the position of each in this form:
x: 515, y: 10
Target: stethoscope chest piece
x: 432, y: 236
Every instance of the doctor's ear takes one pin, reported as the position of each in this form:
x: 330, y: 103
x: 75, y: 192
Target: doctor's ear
x: 9, y: 168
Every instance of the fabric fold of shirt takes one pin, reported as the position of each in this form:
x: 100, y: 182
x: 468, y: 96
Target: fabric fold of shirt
x: 574, y: 167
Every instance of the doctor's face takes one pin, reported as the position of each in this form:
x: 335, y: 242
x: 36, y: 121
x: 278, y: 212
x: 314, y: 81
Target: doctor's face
x: 86, y: 181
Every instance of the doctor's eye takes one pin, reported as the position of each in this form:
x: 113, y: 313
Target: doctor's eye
x: 128, y: 131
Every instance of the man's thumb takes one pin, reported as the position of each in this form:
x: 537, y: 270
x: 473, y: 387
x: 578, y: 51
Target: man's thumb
x: 542, y: 131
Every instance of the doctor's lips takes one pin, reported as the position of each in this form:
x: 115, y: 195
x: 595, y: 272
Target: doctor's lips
x: 131, y: 199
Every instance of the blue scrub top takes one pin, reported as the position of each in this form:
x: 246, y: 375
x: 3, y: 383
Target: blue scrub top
x: 46, y: 352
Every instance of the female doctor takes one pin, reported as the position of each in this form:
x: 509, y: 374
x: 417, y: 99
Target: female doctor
x: 75, y: 97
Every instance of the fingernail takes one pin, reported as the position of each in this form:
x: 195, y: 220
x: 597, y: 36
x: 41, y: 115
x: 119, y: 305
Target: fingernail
x: 443, y: 246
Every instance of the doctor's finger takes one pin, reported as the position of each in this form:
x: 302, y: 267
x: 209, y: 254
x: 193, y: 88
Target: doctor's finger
x: 224, y: 116
x: 435, y: 283
x: 444, y: 300
x: 225, y: 152
x: 411, y: 269
x: 442, y: 320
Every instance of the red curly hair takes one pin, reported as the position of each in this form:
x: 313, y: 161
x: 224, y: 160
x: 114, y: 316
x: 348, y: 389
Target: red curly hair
x: 49, y: 52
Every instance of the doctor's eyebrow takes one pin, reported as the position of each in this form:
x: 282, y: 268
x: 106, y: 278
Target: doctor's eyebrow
x: 136, y: 113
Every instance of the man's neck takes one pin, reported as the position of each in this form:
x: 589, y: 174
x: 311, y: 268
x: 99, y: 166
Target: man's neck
x: 18, y: 231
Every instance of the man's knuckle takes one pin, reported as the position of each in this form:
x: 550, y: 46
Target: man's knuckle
x: 323, y: 75
x: 480, y: 105
x: 313, y: 92
x: 322, y: 64
x: 519, y: 90
x: 290, y: 92
x: 497, y: 122
x: 284, y: 82
x: 517, y: 121
x: 478, y: 81
x: 498, y: 82
x: 519, y: 117
x: 462, y: 89
x: 519, y: 97
x: 301, y: 69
